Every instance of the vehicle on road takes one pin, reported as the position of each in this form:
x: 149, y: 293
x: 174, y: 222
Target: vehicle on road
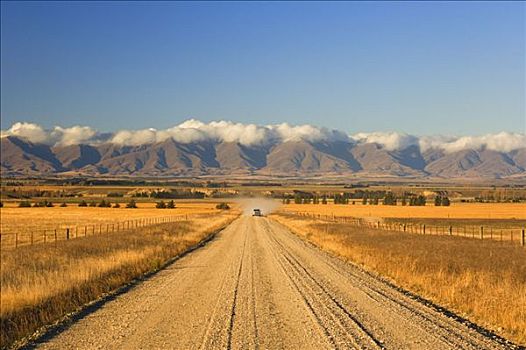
x: 257, y: 212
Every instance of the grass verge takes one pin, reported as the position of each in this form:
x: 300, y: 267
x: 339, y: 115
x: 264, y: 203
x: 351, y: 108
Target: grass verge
x: 42, y: 283
x: 484, y: 281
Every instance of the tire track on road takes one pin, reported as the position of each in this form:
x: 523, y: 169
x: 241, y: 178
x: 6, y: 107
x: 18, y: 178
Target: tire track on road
x: 447, y: 330
x: 349, y: 327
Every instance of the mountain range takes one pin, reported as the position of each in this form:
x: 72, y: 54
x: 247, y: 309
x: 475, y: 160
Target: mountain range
x: 21, y: 157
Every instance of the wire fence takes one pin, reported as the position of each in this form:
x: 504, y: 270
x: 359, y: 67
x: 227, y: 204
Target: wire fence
x: 13, y: 240
x: 511, y: 234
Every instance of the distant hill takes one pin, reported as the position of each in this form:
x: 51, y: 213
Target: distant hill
x: 293, y: 158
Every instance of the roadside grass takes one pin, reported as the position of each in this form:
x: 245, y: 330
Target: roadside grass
x: 42, y: 283
x: 484, y: 281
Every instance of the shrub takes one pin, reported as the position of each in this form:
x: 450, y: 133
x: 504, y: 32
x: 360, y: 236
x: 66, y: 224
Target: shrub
x: 131, y: 204
x: 63, y: 205
x: 104, y: 204
x: 43, y: 204
x: 160, y: 205
x: 389, y: 199
x: 170, y: 205
x: 115, y: 194
x: 1, y: 204
x: 223, y: 206
x: 24, y: 204
x: 83, y: 204
x: 92, y: 204
x: 116, y: 205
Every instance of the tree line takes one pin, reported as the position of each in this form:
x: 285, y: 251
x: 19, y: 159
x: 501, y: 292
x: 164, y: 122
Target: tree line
x: 366, y: 197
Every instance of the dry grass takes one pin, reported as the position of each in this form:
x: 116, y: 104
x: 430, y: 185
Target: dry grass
x: 43, y: 282
x: 484, y: 281
x: 14, y: 219
x: 456, y: 210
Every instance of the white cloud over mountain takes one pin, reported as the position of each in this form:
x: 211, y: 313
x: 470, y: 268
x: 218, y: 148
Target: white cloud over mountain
x: 251, y: 134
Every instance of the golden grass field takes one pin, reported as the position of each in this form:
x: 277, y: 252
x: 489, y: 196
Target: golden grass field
x: 25, y: 221
x: 41, y: 283
x: 484, y: 281
x: 455, y: 211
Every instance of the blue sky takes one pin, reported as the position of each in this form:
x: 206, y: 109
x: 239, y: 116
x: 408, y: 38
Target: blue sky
x: 422, y: 68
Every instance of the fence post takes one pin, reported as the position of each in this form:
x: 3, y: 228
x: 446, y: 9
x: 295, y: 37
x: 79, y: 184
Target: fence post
x: 481, y: 232
x: 424, y: 229
x: 85, y: 231
x: 16, y: 239
x: 450, y: 230
x: 522, y: 237
x: 67, y: 233
x: 55, y: 236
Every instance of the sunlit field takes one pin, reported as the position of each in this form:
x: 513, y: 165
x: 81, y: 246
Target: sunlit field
x: 86, y: 220
x: 454, y: 211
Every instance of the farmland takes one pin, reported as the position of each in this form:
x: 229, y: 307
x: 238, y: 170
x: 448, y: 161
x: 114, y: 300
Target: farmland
x: 487, y: 211
x: 106, y: 247
x: 42, y: 223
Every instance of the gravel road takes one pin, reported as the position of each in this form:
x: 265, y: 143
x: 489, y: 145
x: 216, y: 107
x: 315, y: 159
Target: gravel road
x: 256, y: 285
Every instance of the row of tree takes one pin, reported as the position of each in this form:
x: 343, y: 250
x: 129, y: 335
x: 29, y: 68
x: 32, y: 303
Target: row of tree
x: 172, y: 194
x: 371, y: 198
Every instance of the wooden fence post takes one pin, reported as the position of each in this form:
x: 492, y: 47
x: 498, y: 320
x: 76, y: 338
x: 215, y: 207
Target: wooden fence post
x: 424, y: 229
x: 481, y: 232
x: 55, y: 236
x: 67, y: 233
x: 522, y: 237
x: 450, y: 230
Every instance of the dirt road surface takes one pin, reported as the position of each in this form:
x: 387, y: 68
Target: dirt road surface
x: 257, y: 286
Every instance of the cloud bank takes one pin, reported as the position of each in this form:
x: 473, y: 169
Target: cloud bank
x: 253, y: 135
